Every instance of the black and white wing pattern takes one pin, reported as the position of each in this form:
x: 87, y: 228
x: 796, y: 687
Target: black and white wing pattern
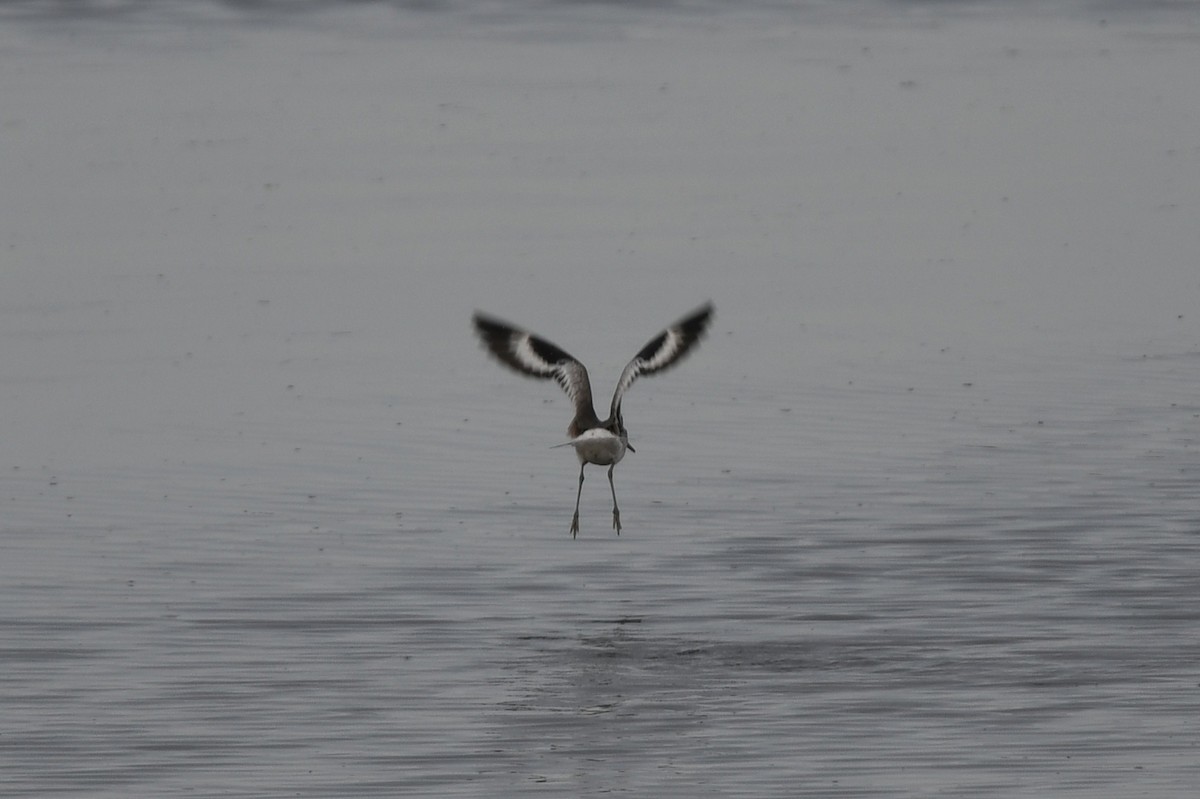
x: 664, y: 350
x: 530, y: 355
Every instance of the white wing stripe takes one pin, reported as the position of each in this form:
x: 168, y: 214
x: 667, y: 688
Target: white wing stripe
x: 522, y: 350
x: 666, y: 353
x: 677, y: 341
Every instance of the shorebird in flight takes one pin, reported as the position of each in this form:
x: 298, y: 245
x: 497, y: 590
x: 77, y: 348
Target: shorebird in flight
x: 595, y: 441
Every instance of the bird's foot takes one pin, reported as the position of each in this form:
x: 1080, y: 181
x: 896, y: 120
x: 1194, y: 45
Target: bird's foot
x: 617, y: 520
x: 575, y: 524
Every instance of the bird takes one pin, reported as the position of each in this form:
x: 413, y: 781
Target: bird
x: 601, y: 442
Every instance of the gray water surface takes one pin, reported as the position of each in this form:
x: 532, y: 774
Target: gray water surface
x: 918, y: 519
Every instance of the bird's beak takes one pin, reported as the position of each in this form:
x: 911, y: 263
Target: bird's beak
x: 631, y: 449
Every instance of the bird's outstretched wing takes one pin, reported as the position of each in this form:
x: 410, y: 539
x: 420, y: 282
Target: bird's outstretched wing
x: 664, y: 350
x: 536, y: 357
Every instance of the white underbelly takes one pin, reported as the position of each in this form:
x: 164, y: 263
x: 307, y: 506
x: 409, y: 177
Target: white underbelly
x: 599, y: 446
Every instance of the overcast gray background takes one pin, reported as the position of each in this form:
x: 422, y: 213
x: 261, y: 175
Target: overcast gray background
x: 918, y: 518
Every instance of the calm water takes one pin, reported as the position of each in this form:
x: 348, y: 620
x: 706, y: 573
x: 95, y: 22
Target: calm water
x: 919, y: 519
x: 1008, y: 613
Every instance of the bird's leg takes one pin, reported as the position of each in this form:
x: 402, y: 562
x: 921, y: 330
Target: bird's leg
x: 616, y: 510
x: 575, y: 518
